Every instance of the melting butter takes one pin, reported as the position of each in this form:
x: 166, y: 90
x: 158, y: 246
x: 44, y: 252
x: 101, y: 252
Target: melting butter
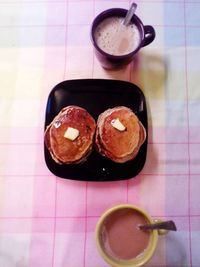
x: 116, y: 123
x: 71, y: 133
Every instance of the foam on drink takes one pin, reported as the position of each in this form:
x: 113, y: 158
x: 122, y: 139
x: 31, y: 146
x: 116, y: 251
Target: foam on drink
x: 115, y: 39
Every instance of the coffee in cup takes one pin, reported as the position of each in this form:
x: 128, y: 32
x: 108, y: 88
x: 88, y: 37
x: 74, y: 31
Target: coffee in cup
x: 115, y: 39
x: 121, y: 236
x: 115, y: 48
x: 120, y: 240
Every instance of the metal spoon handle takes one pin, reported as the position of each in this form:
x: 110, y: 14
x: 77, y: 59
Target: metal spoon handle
x: 167, y: 225
x: 129, y: 14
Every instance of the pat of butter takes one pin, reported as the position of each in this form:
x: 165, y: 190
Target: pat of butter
x: 71, y: 133
x: 116, y: 123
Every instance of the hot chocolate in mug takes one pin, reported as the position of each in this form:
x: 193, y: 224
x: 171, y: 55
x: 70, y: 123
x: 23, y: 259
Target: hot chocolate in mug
x: 119, y: 239
x: 115, y: 48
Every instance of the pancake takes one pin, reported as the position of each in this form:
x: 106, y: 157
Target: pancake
x: 64, y: 150
x: 119, y: 146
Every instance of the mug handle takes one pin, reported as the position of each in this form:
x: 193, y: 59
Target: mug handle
x: 149, y: 35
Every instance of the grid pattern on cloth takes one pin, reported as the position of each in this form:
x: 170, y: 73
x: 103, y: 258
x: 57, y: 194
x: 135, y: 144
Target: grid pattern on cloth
x: 48, y: 221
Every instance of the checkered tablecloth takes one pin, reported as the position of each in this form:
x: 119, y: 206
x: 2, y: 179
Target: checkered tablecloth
x: 48, y: 221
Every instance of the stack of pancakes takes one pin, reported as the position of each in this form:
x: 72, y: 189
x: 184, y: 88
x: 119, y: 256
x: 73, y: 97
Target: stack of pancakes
x: 66, y: 151
x: 119, y: 146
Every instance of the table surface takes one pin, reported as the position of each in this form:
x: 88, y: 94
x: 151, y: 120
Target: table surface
x: 49, y: 221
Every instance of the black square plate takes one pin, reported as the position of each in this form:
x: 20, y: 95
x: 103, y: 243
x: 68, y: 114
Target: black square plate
x: 97, y: 95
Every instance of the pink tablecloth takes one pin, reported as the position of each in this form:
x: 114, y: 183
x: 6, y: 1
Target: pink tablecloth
x: 48, y: 221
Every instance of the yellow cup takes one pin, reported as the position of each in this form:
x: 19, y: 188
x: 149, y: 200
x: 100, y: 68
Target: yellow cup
x: 135, y: 262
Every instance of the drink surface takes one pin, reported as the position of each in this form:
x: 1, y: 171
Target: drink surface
x: 115, y: 39
x: 121, y: 236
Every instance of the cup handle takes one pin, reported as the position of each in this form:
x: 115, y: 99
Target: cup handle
x: 149, y: 35
x: 160, y: 231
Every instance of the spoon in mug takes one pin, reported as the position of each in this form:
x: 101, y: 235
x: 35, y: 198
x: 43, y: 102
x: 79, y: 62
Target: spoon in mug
x: 167, y: 225
x: 120, y: 36
x: 129, y: 14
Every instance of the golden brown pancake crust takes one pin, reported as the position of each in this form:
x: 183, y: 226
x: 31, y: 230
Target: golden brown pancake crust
x: 116, y: 145
x: 64, y: 150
